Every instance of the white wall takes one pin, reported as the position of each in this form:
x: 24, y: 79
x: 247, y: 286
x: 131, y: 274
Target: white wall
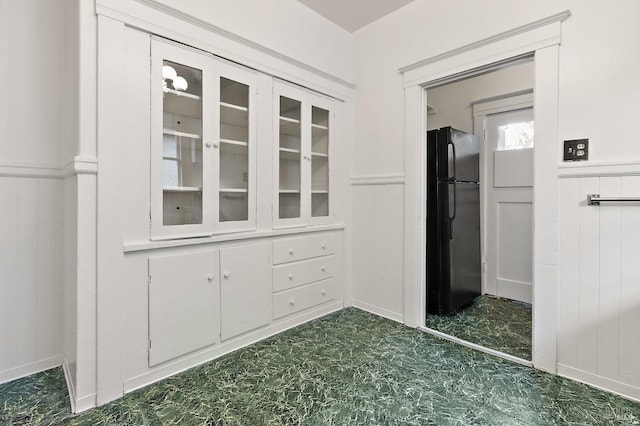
x: 598, y: 92
x: 286, y: 26
x: 37, y: 90
x: 453, y: 101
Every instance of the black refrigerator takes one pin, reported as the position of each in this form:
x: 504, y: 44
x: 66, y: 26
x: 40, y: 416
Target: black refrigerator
x: 453, y: 220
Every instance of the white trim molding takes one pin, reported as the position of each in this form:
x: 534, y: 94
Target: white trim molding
x: 513, y: 43
x: 599, y: 382
x: 589, y: 169
x: 31, y: 368
x: 390, y: 179
x: 27, y: 170
x: 81, y: 166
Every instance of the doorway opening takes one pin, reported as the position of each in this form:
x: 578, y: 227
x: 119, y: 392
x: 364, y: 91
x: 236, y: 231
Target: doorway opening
x: 481, y: 290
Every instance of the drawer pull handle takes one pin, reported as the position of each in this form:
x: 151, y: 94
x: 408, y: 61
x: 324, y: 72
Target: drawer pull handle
x: 291, y: 251
x: 227, y: 275
x: 210, y: 277
x: 324, y: 246
x: 292, y: 302
x: 291, y: 276
x: 323, y: 269
x: 324, y: 292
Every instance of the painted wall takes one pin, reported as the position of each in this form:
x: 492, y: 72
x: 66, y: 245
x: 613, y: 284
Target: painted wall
x: 453, y: 101
x: 37, y: 141
x: 286, y: 26
x: 600, y: 46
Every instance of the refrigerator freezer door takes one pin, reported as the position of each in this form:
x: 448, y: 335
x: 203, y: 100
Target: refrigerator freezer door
x: 464, y: 245
x: 459, y: 155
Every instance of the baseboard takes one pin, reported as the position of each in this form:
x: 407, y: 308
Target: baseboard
x: 70, y: 388
x: 394, y: 316
x: 29, y: 369
x: 514, y: 290
x: 179, y: 365
x: 599, y: 382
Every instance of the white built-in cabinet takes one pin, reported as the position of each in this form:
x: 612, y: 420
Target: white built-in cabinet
x: 210, y: 156
x: 303, y: 131
x: 203, y: 157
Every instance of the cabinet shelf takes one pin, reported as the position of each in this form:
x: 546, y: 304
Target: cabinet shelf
x: 182, y: 188
x: 289, y: 120
x: 319, y: 126
x: 289, y: 191
x: 289, y: 154
x: 320, y: 154
x: 233, y: 106
x: 319, y: 191
x: 182, y: 134
x: 233, y: 190
x: 181, y: 94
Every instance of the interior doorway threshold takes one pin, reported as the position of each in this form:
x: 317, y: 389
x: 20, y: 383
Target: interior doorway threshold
x: 476, y: 347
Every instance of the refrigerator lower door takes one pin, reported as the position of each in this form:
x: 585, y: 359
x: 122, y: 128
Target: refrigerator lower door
x: 464, y: 245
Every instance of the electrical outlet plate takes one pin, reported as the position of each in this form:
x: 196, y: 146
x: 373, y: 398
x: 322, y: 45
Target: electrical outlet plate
x: 576, y: 150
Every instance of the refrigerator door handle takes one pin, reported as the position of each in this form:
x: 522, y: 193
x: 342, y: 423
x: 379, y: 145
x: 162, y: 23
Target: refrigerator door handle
x: 455, y: 203
x: 453, y: 161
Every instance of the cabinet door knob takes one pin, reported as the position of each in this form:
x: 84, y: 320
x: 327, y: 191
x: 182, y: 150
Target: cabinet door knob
x: 324, y: 292
x: 292, y: 302
x: 210, y: 277
x: 216, y: 144
x: 291, y: 251
x: 290, y: 276
x: 226, y: 275
x: 323, y: 246
x: 323, y: 269
x: 208, y: 144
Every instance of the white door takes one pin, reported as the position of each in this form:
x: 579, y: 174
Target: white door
x: 509, y: 204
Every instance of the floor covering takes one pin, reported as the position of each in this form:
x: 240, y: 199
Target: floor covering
x: 348, y: 368
x: 495, y: 323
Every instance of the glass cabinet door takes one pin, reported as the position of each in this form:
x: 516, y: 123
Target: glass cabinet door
x: 180, y: 141
x: 181, y: 145
x: 289, y: 155
x: 319, y: 162
x: 303, y: 152
x: 234, y: 150
x: 237, y: 143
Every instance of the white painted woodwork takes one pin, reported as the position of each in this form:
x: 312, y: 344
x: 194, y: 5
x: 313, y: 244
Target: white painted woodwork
x: 245, y: 288
x: 295, y: 274
x: 184, y: 304
x: 599, y: 296
x: 296, y: 178
x: 508, y: 192
x: 378, y: 261
x: 301, y: 298
x: 298, y: 248
x: 30, y: 276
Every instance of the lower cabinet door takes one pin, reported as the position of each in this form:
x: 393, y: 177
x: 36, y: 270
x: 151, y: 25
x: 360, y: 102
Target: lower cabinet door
x: 183, y: 304
x: 245, y: 288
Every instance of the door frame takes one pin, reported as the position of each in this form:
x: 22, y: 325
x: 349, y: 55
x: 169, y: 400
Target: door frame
x: 481, y: 109
x: 541, y: 39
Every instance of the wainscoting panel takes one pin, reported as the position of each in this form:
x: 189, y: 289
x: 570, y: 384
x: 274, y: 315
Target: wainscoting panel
x: 378, y: 245
x: 30, y: 283
x: 599, y: 294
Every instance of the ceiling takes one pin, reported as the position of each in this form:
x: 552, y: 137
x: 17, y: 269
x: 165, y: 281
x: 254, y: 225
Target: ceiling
x: 354, y: 14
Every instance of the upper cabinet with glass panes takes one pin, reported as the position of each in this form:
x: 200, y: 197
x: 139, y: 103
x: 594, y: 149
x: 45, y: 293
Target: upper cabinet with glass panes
x: 303, y: 144
x: 202, y: 148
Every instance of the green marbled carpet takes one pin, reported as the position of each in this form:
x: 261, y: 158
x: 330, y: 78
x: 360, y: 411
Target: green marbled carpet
x: 349, y: 368
x: 495, y: 323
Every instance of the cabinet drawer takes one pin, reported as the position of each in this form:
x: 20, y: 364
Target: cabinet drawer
x: 291, y: 301
x: 299, y: 248
x: 295, y: 274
